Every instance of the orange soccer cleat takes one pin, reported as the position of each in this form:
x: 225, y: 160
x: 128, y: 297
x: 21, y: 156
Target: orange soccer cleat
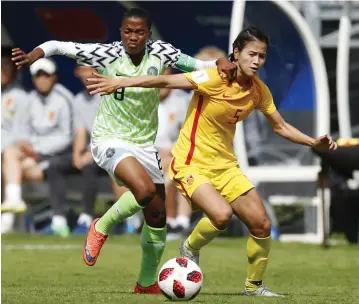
x: 153, y: 289
x: 93, y: 244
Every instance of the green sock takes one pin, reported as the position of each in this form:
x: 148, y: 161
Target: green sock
x: 153, y: 243
x: 122, y: 209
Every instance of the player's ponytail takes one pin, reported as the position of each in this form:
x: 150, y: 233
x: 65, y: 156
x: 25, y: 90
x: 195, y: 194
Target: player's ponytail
x: 246, y: 35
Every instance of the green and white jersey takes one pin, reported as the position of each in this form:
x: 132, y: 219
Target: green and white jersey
x: 130, y: 114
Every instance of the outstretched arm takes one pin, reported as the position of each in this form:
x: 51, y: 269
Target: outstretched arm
x: 92, y: 54
x: 107, y: 85
x: 284, y: 129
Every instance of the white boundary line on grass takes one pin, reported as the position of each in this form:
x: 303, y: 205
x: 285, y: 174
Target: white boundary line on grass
x: 40, y: 247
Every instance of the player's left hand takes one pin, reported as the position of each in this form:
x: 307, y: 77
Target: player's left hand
x: 224, y: 66
x: 325, y: 143
x: 102, y: 84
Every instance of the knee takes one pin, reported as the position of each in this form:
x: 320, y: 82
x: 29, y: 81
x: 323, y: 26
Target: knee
x: 261, y: 227
x: 144, y: 192
x: 222, y: 218
x: 10, y: 153
x: 156, y: 218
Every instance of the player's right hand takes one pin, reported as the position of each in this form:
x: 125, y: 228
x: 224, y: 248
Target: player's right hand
x: 20, y: 58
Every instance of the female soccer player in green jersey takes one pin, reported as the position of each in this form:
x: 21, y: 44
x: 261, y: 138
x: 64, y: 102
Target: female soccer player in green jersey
x: 124, y: 131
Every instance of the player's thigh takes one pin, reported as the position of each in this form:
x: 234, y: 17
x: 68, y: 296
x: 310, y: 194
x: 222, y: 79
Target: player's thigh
x: 213, y: 204
x: 128, y: 166
x: 198, y: 190
x: 31, y: 171
x: 155, y: 212
x: 186, y: 179
x: 230, y: 183
x: 146, y: 161
x: 250, y: 209
x: 133, y: 175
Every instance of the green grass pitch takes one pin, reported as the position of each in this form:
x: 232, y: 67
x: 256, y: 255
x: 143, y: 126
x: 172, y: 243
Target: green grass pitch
x: 51, y: 270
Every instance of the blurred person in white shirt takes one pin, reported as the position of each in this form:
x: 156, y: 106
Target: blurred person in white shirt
x: 85, y: 109
x: 13, y: 103
x: 42, y: 142
x: 172, y: 113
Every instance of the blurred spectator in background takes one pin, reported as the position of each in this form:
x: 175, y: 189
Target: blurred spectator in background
x: 256, y: 130
x: 44, y: 141
x: 13, y: 103
x: 85, y: 107
x: 210, y: 53
x: 171, y: 115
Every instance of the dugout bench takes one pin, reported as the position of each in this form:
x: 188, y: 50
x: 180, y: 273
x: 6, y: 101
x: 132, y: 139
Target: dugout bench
x: 38, y: 200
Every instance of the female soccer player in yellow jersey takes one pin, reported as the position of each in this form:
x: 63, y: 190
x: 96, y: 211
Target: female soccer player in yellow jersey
x: 204, y: 167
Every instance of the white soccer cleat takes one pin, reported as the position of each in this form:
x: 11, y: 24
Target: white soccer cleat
x: 7, y: 222
x: 186, y: 253
x: 262, y: 291
x: 13, y: 206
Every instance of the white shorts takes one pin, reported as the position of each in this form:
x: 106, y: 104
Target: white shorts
x: 108, y: 153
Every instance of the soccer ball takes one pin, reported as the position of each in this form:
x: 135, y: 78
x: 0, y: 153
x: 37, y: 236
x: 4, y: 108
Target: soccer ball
x: 180, y: 279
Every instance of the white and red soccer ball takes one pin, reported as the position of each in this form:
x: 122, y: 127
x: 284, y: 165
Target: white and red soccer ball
x: 180, y: 279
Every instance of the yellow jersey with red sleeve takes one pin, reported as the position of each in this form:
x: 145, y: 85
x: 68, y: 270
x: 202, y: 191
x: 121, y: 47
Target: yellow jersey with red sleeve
x: 206, y: 137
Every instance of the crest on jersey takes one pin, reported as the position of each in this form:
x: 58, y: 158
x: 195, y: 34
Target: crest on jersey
x: 51, y: 116
x: 9, y: 102
x: 190, y: 179
x: 152, y: 71
x: 110, y: 152
x: 172, y: 118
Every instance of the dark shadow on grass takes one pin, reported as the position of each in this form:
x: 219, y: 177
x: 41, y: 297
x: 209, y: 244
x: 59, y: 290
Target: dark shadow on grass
x: 130, y: 292
x: 235, y: 294
x: 192, y: 301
